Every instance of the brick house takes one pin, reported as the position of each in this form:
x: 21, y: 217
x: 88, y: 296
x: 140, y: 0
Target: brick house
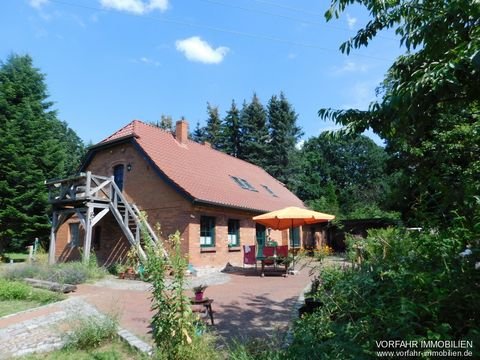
x: 208, y: 196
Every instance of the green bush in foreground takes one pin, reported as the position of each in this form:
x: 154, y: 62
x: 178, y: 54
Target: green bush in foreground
x: 410, y: 286
x: 91, y: 332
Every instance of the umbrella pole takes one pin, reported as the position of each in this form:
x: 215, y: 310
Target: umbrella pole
x: 293, y: 248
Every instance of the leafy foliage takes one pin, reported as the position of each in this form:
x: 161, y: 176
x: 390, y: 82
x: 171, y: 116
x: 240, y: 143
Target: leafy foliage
x: 345, y: 175
x: 407, y: 286
x: 34, y: 146
x: 429, y: 107
x: 173, y: 320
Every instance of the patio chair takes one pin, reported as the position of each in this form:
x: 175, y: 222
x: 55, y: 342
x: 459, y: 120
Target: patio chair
x: 249, y: 255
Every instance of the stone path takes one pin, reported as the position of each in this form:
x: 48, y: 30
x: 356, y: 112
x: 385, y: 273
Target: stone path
x: 41, y: 329
x: 245, y: 306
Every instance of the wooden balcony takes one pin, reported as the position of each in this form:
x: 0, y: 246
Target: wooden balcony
x: 78, y: 189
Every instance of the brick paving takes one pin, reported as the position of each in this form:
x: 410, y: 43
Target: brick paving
x: 245, y: 306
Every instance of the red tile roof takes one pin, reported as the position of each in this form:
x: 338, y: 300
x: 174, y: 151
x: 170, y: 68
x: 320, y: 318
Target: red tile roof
x: 205, y: 174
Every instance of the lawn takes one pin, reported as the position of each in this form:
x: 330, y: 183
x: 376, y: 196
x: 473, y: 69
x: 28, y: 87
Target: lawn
x: 8, y: 307
x: 16, y: 257
x: 16, y: 296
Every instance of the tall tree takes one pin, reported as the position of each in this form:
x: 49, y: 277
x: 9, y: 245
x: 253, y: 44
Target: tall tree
x: 213, y: 129
x: 165, y: 123
x: 429, y: 108
x: 284, y: 135
x: 34, y: 146
x: 348, y: 171
x: 232, y: 132
x: 255, y: 131
x: 198, y: 133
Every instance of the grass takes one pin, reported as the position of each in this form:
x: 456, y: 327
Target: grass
x: 91, y: 332
x: 8, y: 307
x: 16, y: 257
x: 16, y: 296
x: 92, y: 337
x: 115, y: 350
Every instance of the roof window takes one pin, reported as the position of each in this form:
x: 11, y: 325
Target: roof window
x: 244, y: 184
x: 270, y: 191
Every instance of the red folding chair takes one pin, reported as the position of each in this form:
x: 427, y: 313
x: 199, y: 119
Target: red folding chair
x: 249, y: 255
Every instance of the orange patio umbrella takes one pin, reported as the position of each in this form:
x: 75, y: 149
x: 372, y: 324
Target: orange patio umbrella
x: 290, y: 217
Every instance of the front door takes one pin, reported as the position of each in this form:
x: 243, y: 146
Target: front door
x: 260, y: 236
x: 118, y: 175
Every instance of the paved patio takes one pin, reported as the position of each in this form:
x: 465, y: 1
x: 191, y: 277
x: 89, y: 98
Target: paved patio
x: 245, y: 306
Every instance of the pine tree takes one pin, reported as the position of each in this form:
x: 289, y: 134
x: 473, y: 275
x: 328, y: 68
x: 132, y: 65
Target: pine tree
x: 284, y: 135
x: 34, y: 146
x: 232, y: 137
x: 198, y: 134
x: 254, y: 119
x: 213, y: 129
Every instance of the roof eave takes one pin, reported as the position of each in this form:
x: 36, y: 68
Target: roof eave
x: 230, y: 206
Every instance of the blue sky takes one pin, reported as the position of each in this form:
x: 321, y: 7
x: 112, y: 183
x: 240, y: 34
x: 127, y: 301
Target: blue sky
x: 108, y: 62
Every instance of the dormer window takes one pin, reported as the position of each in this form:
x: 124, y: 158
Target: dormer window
x: 270, y: 191
x: 244, y: 184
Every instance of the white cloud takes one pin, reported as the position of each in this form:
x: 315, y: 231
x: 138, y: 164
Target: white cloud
x: 351, y: 21
x: 149, y: 61
x: 195, y: 49
x: 350, y: 66
x: 138, y: 7
x: 37, y: 4
x: 361, y: 95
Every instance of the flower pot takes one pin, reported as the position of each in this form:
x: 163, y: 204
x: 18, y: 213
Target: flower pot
x: 121, y: 275
x: 199, y: 296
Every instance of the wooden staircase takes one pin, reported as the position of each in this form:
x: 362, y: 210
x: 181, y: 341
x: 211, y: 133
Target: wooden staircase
x: 91, y: 197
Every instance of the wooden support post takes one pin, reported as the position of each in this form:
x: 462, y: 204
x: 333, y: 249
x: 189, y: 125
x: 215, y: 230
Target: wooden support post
x: 53, y: 234
x: 88, y: 184
x: 87, y: 244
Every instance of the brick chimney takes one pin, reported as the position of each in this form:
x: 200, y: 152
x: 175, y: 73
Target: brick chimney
x: 181, y: 131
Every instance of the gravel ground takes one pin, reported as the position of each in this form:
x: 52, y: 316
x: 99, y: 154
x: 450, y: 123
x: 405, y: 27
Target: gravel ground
x: 210, y: 278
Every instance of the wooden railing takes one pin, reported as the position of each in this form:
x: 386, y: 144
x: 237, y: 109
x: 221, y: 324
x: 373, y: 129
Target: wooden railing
x: 86, y: 187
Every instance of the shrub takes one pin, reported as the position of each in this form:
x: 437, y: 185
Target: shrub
x: 408, y: 286
x: 14, y: 290
x: 64, y: 273
x: 90, y: 332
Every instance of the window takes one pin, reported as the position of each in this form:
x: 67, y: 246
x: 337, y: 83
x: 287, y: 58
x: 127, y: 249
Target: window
x: 270, y: 191
x: 244, y: 184
x: 74, y: 234
x: 295, y: 237
x: 233, y: 232
x: 207, y: 231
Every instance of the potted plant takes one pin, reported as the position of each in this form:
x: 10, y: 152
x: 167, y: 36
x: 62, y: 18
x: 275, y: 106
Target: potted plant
x: 198, y: 291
